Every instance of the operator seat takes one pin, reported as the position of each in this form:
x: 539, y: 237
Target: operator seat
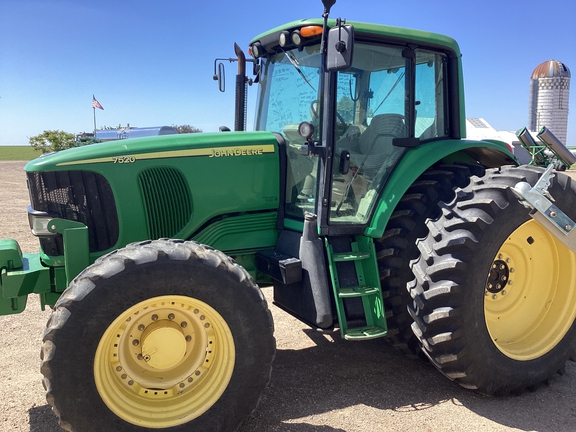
x: 375, y: 147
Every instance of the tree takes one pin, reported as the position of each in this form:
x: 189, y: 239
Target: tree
x: 186, y: 129
x: 52, y: 140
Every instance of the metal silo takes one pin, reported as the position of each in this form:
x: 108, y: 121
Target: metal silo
x: 549, y: 94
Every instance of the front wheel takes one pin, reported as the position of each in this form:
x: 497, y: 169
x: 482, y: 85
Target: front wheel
x: 494, y: 299
x: 163, y: 335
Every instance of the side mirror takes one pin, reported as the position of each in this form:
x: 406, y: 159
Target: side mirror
x: 340, y: 47
x: 220, y: 76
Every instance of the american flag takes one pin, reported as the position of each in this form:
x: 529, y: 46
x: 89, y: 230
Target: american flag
x: 96, y: 104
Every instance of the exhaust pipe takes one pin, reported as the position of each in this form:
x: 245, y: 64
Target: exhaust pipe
x: 240, y: 111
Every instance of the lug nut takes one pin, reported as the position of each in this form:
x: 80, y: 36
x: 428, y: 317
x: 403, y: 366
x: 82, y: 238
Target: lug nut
x: 135, y: 342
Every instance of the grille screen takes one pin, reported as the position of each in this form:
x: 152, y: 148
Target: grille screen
x: 167, y: 200
x: 81, y: 196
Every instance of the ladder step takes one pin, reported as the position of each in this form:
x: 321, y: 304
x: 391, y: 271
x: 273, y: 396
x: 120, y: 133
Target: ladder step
x: 357, y: 291
x: 350, y: 256
x: 364, y: 333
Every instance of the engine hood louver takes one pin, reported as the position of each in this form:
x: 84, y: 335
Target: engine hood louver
x: 167, y: 200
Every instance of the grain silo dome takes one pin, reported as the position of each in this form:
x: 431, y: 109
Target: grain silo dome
x: 550, y: 69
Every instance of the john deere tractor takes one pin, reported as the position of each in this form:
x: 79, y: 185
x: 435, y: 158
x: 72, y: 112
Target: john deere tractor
x: 357, y: 197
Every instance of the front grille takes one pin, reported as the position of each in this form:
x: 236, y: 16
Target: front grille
x: 81, y: 196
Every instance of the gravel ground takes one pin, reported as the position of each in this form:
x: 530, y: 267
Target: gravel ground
x: 319, y: 382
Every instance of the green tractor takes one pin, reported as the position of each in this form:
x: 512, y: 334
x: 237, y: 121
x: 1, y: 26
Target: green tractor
x: 357, y: 197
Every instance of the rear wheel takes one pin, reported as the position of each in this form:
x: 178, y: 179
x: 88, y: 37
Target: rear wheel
x: 494, y: 293
x: 164, y: 335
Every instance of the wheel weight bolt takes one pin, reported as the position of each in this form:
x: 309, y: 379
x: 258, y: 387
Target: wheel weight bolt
x: 154, y: 317
x: 135, y: 342
x: 171, y: 316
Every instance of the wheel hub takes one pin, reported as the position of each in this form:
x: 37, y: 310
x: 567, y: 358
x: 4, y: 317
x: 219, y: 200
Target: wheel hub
x: 163, y: 345
x: 499, y: 276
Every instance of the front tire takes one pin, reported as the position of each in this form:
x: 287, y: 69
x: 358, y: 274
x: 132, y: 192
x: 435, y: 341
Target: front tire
x: 494, y: 298
x: 162, y: 335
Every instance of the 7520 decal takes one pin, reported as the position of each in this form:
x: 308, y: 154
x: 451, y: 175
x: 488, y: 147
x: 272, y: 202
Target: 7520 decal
x: 123, y: 159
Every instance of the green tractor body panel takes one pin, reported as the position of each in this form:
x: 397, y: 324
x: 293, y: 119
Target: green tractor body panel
x: 173, y: 186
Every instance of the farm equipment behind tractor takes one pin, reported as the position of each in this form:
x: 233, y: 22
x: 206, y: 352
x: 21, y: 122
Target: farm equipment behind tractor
x: 357, y: 197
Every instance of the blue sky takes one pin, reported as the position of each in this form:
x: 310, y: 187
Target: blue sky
x: 150, y: 63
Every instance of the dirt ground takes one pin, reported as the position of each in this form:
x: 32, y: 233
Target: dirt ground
x: 319, y: 382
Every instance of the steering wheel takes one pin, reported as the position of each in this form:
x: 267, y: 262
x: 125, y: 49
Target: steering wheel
x: 314, y: 112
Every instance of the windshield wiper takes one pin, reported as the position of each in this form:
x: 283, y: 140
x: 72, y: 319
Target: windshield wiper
x: 297, y: 67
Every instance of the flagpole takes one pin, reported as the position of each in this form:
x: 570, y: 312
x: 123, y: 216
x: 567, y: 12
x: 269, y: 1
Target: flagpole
x: 94, y: 109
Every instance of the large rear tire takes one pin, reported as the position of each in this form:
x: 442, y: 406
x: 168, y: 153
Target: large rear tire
x: 397, y: 247
x: 495, y: 293
x: 162, y: 335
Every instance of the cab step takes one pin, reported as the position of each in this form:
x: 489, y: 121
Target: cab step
x: 357, y: 291
x: 365, y: 333
x: 366, y: 288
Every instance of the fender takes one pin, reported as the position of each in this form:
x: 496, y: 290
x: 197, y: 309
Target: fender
x: 488, y: 153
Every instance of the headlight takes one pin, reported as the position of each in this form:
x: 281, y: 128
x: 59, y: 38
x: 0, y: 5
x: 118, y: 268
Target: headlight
x: 39, y: 222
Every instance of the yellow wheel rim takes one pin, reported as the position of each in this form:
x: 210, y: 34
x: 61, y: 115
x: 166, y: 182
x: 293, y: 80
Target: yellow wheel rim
x: 164, y: 362
x: 530, y: 301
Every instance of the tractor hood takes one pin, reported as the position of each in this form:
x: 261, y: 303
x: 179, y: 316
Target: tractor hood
x: 174, y: 186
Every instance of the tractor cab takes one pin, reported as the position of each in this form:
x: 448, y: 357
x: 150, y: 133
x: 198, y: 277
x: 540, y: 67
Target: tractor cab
x: 347, y: 104
x: 347, y: 124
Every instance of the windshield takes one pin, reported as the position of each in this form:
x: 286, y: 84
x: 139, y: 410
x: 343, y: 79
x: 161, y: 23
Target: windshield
x: 288, y: 91
x: 288, y: 95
